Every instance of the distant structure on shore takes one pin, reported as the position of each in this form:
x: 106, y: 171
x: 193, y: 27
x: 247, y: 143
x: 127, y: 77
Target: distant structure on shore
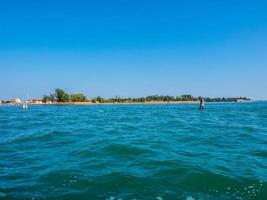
x: 35, y: 101
x: 15, y: 101
x: 242, y: 100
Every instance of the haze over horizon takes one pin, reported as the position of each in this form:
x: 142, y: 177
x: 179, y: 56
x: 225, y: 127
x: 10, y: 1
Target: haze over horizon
x: 134, y: 48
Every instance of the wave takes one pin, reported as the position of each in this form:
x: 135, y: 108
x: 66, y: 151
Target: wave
x: 43, y: 136
x: 125, y: 150
x: 198, y: 185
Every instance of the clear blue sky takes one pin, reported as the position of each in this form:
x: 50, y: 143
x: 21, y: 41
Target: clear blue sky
x: 134, y: 47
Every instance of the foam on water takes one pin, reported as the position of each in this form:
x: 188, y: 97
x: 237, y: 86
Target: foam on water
x: 190, y: 198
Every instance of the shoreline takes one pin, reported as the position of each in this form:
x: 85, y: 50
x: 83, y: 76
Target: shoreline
x: 122, y: 103
x: 127, y: 103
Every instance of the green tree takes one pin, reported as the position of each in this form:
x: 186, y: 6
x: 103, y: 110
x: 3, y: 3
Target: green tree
x: 53, y: 97
x: 186, y: 97
x: 100, y: 99
x: 61, y: 95
x: 78, y: 98
x: 47, y: 98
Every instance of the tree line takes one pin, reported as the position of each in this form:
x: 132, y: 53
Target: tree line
x: 61, y: 96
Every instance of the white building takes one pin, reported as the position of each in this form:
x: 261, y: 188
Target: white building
x: 35, y: 101
x: 15, y: 101
x: 242, y: 100
x: 48, y: 102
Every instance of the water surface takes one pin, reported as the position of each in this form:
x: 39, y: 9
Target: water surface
x: 134, y: 152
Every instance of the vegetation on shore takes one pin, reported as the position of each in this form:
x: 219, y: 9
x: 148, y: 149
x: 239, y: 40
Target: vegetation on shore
x: 61, y: 96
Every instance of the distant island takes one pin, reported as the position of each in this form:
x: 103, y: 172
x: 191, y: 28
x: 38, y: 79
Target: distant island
x: 60, y: 97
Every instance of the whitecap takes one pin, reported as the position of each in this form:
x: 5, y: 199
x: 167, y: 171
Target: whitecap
x: 111, y: 198
x: 190, y: 198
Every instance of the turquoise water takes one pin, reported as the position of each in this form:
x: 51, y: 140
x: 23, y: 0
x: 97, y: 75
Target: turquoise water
x: 134, y: 152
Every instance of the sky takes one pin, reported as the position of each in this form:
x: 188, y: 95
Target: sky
x: 133, y: 48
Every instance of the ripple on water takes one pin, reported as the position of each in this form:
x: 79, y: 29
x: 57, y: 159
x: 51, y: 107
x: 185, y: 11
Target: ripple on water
x: 134, y: 152
x: 125, y: 150
x: 261, y: 153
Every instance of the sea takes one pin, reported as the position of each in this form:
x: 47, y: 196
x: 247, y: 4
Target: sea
x: 134, y: 152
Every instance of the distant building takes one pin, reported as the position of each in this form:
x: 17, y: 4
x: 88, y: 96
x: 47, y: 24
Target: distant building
x: 242, y: 100
x: 15, y: 101
x: 35, y: 101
